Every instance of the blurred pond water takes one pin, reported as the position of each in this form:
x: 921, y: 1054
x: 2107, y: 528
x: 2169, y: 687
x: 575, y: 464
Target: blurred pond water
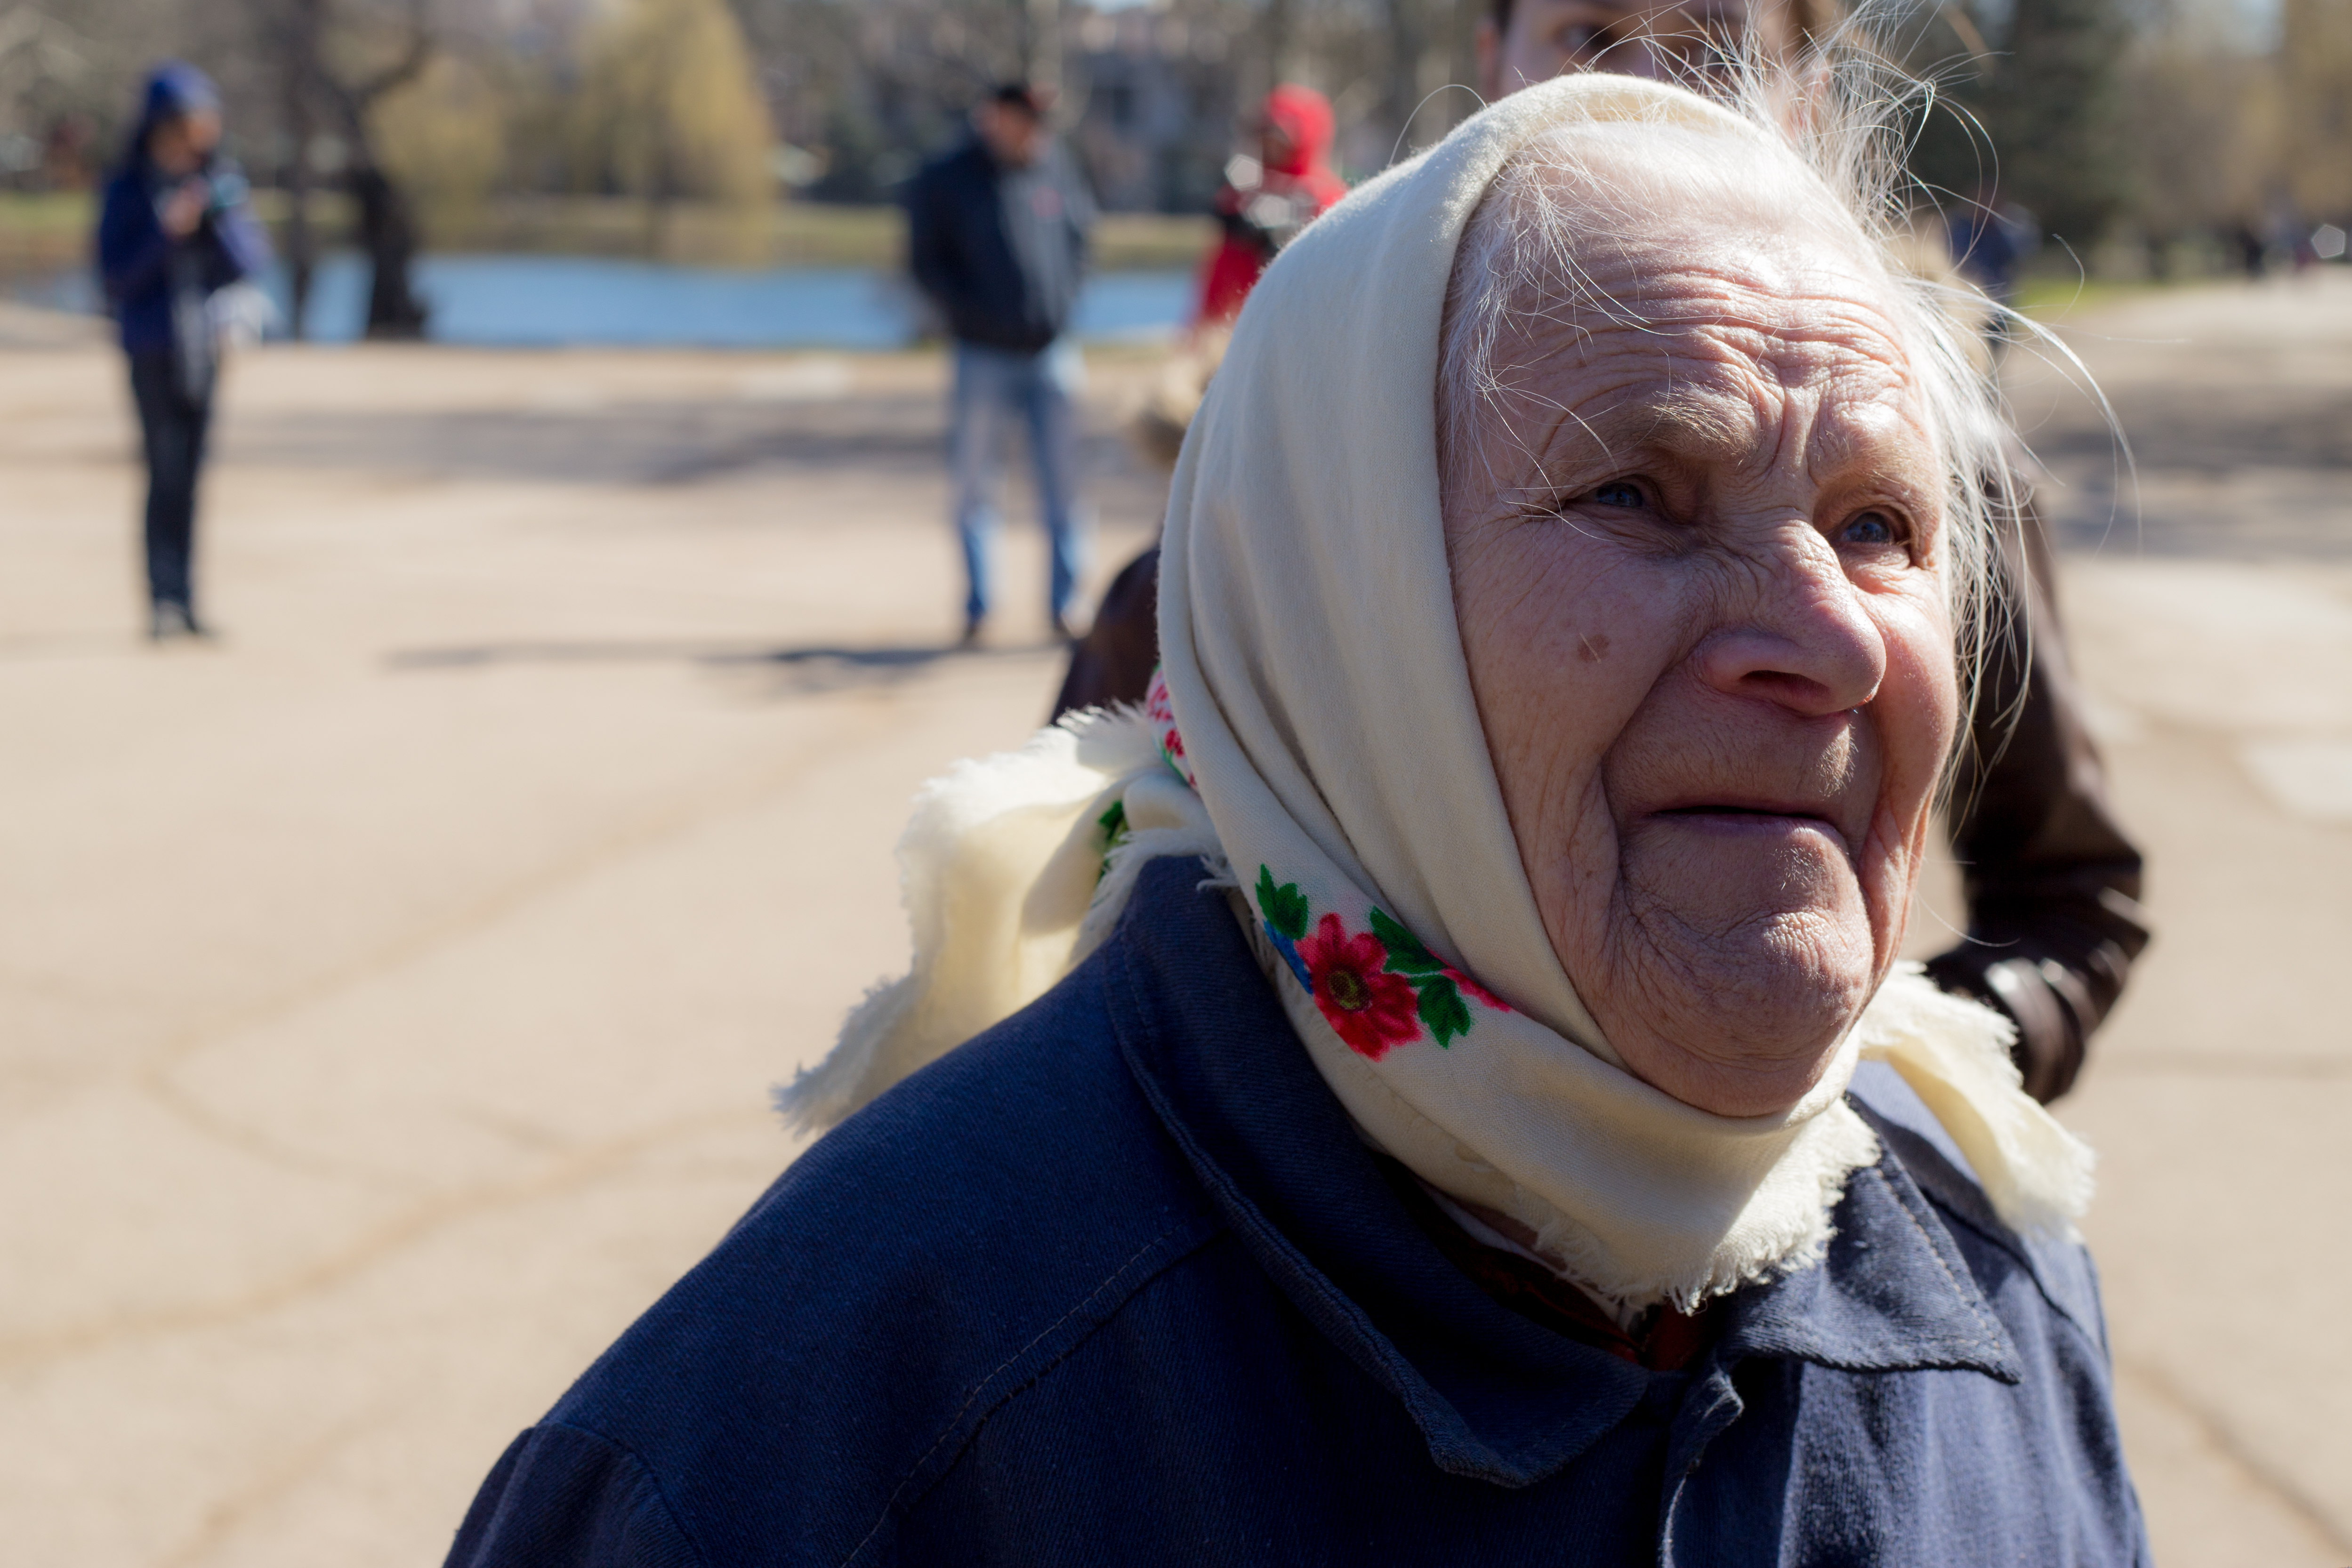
x: 537, y: 301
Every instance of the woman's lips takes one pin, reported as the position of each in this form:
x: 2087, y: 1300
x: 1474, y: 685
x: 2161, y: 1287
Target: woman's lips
x: 1746, y: 808
x: 1746, y: 820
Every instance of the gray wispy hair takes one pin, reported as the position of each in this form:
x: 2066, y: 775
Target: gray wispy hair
x: 1827, y: 130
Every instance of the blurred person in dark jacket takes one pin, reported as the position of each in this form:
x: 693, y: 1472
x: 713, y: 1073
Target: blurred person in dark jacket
x: 174, y: 231
x: 1990, y: 237
x: 2051, y: 880
x: 996, y: 237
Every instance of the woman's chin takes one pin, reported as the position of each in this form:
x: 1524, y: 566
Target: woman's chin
x: 1743, y: 1024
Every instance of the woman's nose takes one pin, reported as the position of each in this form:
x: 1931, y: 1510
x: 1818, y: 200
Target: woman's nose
x: 1804, y: 641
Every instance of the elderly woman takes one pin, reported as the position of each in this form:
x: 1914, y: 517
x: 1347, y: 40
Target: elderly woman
x: 1434, y: 1125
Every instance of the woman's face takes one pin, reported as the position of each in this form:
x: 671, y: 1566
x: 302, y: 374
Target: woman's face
x: 1699, y: 572
x: 181, y: 144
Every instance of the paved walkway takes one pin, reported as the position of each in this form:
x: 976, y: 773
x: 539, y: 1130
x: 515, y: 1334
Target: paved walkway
x: 389, y: 995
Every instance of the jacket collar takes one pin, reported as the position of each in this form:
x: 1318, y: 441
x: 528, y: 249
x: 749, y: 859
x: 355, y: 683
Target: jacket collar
x: 1495, y: 1396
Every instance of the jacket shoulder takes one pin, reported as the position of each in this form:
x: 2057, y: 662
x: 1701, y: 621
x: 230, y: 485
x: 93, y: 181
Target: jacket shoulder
x: 958, y: 166
x: 121, y: 201
x: 561, y: 1495
x: 2058, y: 1272
x: 927, y: 1260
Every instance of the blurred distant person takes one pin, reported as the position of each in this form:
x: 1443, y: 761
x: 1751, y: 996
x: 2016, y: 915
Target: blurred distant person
x: 1266, y: 200
x: 2291, y: 235
x: 1990, y: 239
x: 2053, y: 883
x: 175, y: 230
x: 1262, y: 205
x: 2254, y: 251
x: 996, y: 236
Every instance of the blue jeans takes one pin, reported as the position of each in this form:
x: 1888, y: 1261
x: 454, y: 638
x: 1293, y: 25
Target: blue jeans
x: 993, y: 387
x: 171, y: 428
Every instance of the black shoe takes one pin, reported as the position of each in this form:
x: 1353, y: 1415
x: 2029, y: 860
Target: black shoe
x: 971, y: 629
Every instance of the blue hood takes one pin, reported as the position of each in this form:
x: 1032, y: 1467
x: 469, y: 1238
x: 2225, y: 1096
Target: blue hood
x: 173, y: 88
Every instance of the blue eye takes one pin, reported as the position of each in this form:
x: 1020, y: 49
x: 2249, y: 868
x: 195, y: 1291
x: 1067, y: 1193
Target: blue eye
x: 1870, y: 528
x: 1621, y: 493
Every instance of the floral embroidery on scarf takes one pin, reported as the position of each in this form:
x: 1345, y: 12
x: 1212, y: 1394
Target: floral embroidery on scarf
x: 1377, y: 988
x: 1366, y: 1006
x: 1116, y: 831
x: 1162, y: 714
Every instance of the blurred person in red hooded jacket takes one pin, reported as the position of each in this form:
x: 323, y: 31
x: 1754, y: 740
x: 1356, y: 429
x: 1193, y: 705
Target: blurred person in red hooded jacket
x: 1260, y: 208
x: 1266, y: 200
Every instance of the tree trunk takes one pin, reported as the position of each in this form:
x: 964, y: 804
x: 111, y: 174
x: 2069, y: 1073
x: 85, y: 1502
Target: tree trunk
x: 301, y: 248
x: 297, y: 34
x: 297, y: 50
x: 388, y: 234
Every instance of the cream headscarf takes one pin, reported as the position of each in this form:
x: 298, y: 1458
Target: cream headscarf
x: 1318, y: 683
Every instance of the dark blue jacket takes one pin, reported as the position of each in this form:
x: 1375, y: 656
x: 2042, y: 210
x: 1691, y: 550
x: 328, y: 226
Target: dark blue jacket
x: 142, y: 269
x: 140, y: 266
x: 1000, y: 251
x: 1116, y: 1283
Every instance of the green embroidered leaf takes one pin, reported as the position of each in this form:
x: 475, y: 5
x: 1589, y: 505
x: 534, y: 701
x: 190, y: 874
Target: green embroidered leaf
x: 1443, y: 1009
x: 1406, y: 954
x: 1113, y: 823
x: 1285, y: 907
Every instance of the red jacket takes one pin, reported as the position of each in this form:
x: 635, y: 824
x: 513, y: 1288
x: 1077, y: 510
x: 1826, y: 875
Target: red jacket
x: 1260, y: 213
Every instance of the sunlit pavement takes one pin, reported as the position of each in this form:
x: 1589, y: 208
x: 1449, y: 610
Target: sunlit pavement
x: 389, y: 993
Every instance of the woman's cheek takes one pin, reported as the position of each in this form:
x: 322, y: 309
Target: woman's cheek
x: 1920, y: 697
x: 1917, y: 712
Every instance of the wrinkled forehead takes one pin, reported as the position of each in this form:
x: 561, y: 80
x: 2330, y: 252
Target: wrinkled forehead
x: 1627, y: 261
x: 1728, y: 301
x: 1596, y: 198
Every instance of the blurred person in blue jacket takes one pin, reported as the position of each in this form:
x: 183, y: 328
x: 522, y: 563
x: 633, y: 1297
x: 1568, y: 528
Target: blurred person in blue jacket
x: 996, y: 237
x: 1990, y: 237
x: 176, y: 229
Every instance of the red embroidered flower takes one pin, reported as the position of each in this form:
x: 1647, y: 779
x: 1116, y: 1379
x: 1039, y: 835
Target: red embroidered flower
x: 1367, y: 1007
x: 1162, y: 713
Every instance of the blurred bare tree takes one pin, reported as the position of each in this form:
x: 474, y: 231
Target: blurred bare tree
x: 874, y: 87
x: 40, y: 57
x: 2201, y: 119
x: 68, y: 71
x: 2032, y: 111
x: 334, y: 61
x: 2056, y: 114
x: 2164, y: 120
x: 667, y: 107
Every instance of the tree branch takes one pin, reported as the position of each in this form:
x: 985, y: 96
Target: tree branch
x: 401, y: 72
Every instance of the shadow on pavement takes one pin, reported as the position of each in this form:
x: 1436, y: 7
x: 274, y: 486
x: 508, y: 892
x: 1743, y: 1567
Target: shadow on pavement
x: 817, y: 668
